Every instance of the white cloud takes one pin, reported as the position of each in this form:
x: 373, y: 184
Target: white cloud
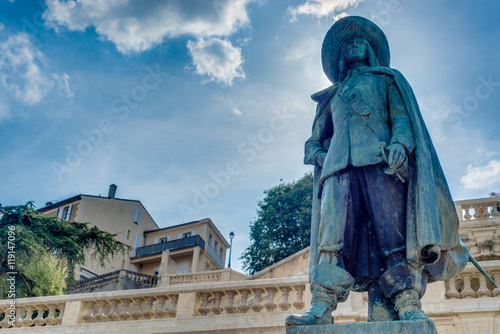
x: 136, y: 25
x: 2, y: 26
x: 482, y: 177
x: 236, y: 111
x: 63, y: 85
x: 21, y: 72
x: 217, y: 58
x: 322, y: 8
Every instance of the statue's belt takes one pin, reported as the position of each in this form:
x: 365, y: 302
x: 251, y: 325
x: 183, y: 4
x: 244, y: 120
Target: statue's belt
x: 352, y: 98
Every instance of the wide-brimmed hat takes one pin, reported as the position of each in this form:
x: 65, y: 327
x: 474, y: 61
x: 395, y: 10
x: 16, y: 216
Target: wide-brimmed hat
x: 344, y: 29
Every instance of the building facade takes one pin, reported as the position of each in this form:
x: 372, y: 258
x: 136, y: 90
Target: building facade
x: 190, y: 247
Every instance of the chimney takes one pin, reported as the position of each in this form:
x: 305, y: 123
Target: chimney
x: 48, y: 204
x: 112, y: 191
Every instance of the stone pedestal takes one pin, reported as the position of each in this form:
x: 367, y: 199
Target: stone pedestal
x: 382, y: 327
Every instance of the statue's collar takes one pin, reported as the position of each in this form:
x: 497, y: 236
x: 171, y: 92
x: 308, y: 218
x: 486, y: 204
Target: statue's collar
x: 356, y: 71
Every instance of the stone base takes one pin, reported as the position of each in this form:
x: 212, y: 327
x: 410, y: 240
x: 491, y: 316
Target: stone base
x: 381, y: 327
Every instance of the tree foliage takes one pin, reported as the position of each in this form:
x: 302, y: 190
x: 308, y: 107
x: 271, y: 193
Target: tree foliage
x: 283, y: 224
x: 46, y: 250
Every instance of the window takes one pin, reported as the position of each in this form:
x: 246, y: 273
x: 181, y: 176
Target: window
x: 66, y: 212
x: 123, y: 263
x: 220, y: 253
x: 168, y: 238
x: 210, y: 241
x: 215, y: 247
x: 138, y: 242
x: 128, y: 234
x: 137, y: 215
x: 187, y: 235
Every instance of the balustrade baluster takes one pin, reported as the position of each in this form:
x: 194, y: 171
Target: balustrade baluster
x: 61, y: 314
x: 230, y: 308
x: 39, y: 318
x: 452, y: 292
x: 270, y: 305
x: 496, y: 278
x: 483, y: 288
x: 50, y: 320
x: 299, y: 303
x: 203, y: 309
x: 243, y: 304
x: 99, y: 315
x: 5, y: 321
x: 27, y: 321
x: 496, y: 212
x: 256, y: 306
x: 88, y: 317
x: 124, y: 314
x: 18, y: 322
x: 160, y: 307
x: 467, y: 292
x: 111, y: 315
x: 467, y: 215
x: 486, y: 211
x: 216, y: 309
x: 478, y: 210
x: 148, y: 313
x: 172, y: 311
x: 284, y: 305
x: 136, y: 308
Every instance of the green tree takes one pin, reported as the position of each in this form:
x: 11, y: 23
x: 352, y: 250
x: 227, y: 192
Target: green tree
x: 283, y: 224
x: 42, y: 251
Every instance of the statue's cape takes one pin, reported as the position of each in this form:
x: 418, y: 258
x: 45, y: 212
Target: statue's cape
x: 431, y: 217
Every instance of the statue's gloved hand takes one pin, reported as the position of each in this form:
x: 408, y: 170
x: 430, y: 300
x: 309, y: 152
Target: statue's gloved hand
x: 320, y: 158
x: 396, y: 155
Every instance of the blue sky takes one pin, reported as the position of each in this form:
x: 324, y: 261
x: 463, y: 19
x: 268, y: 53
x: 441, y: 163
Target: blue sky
x: 196, y: 107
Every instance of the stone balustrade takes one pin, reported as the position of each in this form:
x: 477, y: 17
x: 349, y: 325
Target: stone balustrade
x: 174, y: 302
x: 482, y: 208
x: 209, y: 276
x: 472, y: 284
x: 134, y: 279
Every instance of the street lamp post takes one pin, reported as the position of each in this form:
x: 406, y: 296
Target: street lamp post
x: 231, y: 236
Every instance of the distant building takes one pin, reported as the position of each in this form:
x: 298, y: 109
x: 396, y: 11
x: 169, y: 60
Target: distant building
x: 192, y: 247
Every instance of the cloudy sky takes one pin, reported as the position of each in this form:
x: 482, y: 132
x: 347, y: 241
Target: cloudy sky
x: 195, y: 107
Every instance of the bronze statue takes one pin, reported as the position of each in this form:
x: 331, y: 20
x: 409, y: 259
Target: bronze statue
x: 383, y: 217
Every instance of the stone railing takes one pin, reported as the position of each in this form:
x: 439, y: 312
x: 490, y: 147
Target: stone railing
x: 482, y: 208
x: 142, y: 280
x: 213, y: 276
x: 224, y: 275
x: 472, y: 284
x: 164, y: 304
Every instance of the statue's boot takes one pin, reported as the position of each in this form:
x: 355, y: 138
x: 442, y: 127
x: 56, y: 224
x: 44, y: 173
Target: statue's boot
x: 405, y: 284
x: 407, y: 304
x: 320, y: 313
x: 330, y: 285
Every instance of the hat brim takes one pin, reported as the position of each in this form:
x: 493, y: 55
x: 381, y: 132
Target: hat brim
x: 344, y: 29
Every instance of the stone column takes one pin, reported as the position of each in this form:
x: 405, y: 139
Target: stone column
x: 164, y: 276
x: 196, y: 259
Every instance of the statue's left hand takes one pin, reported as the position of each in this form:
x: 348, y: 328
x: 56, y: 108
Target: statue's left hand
x: 396, y: 155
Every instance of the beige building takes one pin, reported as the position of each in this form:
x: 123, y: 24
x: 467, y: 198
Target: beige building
x: 191, y: 247
x: 186, y: 248
x: 224, y: 302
